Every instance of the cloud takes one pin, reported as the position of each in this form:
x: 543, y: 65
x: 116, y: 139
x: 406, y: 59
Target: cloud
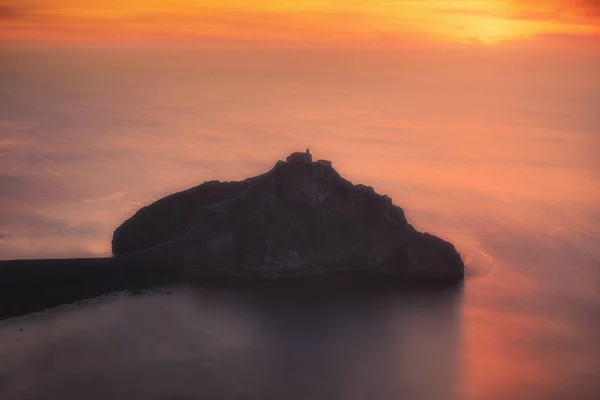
x: 18, y: 10
x: 591, y: 7
x: 10, y: 12
x: 557, y: 11
x: 572, y: 11
x: 181, y: 25
x: 307, y: 21
x: 14, y: 187
x: 34, y: 191
x: 30, y: 224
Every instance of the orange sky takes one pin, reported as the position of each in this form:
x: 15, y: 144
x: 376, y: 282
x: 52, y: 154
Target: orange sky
x: 485, y: 22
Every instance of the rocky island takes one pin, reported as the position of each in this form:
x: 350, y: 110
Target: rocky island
x: 300, y: 219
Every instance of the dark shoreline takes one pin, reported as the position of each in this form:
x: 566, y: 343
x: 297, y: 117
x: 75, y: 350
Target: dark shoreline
x: 33, y: 285
x: 28, y: 286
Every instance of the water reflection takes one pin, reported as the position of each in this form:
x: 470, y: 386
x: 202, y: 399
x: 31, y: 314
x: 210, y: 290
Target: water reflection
x: 292, y: 342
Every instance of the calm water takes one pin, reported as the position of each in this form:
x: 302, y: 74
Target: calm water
x: 498, y: 153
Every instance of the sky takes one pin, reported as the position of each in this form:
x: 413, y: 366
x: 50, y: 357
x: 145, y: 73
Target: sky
x: 370, y: 22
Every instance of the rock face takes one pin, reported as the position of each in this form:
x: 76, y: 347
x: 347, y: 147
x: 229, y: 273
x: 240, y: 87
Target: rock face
x: 297, y: 220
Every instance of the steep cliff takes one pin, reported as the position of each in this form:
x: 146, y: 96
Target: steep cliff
x: 297, y: 220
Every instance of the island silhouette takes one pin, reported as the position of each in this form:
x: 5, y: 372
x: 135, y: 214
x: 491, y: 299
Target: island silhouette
x: 300, y: 220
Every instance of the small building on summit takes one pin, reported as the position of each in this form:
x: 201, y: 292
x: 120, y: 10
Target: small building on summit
x: 300, y: 158
x: 306, y: 158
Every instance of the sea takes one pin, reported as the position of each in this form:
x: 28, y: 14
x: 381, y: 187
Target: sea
x: 496, y: 151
